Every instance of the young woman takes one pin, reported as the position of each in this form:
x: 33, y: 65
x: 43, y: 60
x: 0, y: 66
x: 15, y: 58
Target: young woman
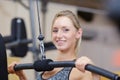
x: 66, y: 36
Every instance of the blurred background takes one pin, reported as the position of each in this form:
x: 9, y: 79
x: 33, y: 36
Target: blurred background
x: 99, y: 20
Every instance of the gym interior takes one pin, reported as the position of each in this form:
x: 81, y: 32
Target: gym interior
x: 101, y: 34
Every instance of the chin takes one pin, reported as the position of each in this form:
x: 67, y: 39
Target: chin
x: 61, y: 48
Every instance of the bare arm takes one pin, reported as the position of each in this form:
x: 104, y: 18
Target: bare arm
x: 20, y: 73
x: 96, y: 76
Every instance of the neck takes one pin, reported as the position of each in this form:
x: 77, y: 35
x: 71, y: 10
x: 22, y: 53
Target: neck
x: 66, y: 55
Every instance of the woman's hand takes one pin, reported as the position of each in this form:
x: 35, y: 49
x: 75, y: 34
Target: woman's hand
x: 19, y: 73
x: 82, y: 62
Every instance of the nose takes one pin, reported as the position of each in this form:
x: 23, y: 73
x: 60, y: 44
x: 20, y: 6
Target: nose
x: 59, y: 34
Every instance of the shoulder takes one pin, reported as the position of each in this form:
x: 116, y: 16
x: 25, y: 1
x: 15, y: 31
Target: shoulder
x: 78, y: 75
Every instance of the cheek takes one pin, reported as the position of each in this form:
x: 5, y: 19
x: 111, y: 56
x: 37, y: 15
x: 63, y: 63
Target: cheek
x: 72, y: 38
x: 53, y: 37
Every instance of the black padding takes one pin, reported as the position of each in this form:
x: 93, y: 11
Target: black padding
x: 8, y: 39
x: 3, y: 60
x: 113, y: 9
x: 43, y: 65
x: 49, y: 46
x: 87, y: 16
x: 18, y: 32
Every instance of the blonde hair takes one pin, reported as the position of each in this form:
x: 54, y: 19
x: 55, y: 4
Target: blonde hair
x: 74, y: 20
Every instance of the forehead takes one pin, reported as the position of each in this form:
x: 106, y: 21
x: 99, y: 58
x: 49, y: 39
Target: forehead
x: 63, y: 21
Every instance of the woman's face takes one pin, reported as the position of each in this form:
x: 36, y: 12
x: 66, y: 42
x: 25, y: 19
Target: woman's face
x: 64, y: 34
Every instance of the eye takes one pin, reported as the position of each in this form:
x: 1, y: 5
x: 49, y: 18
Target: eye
x: 55, y: 30
x: 65, y: 30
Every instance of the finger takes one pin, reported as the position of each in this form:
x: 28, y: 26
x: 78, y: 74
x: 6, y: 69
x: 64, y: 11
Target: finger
x: 11, y: 67
x: 82, y: 62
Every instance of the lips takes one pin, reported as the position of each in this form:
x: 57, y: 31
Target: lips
x: 60, y: 42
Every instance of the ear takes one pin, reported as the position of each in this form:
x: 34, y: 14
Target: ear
x: 79, y: 33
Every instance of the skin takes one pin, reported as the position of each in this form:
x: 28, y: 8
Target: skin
x: 65, y: 37
x: 20, y: 73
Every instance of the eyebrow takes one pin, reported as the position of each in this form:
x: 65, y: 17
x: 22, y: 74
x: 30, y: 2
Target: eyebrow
x: 54, y: 27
